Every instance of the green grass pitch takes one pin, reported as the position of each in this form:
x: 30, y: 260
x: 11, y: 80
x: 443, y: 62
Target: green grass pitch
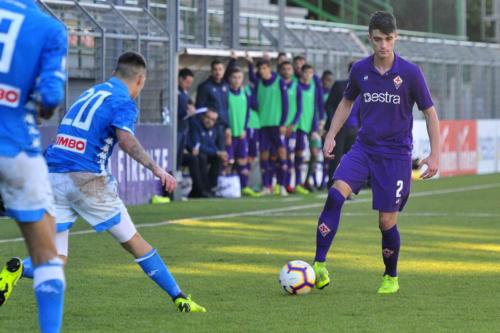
x: 228, y: 254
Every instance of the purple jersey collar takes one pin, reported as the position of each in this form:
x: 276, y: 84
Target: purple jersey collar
x: 394, y: 68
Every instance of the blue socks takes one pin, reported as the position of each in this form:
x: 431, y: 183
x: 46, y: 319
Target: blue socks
x: 154, y: 267
x: 27, y: 268
x: 49, y: 285
x: 328, y: 223
x: 391, y: 243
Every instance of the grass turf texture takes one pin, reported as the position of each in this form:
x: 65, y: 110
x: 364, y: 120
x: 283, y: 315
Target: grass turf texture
x: 449, y: 267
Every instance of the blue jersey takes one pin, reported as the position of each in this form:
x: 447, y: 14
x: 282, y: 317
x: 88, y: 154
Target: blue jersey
x: 33, y: 49
x: 87, y: 134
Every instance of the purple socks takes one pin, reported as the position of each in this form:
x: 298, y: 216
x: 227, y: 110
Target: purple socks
x: 390, y: 250
x: 328, y: 223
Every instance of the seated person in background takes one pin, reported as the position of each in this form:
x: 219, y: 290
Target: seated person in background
x: 206, y: 156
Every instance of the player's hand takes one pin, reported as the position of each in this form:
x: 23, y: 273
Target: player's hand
x: 265, y: 55
x: 195, y: 151
x: 191, y: 110
x: 167, y: 180
x: 222, y: 155
x: 432, y: 162
x: 329, y: 146
x: 282, y: 130
x: 248, y: 57
x: 243, y: 135
x: 228, y: 137
x: 232, y: 54
x: 289, y: 131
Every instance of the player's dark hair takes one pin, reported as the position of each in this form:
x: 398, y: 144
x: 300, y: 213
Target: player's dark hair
x: 349, y: 66
x: 235, y: 69
x: 284, y: 63
x: 298, y: 57
x: 306, y: 67
x: 263, y: 62
x: 383, y: 21
x: 326, y: 73
x: 185, y: 72
x: 215, y: 62
x: 282, y: 54
x: 130, y: 64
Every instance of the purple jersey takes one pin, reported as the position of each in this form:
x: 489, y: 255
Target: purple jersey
x: 386, y: 105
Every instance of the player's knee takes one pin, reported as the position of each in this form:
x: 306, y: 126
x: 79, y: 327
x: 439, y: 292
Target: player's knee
x: 386, y: 222
x: 342, y: 187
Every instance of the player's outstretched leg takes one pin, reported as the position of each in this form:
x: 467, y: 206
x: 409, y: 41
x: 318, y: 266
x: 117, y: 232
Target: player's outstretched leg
x: 152, y: 264
x: 154, y: 267
x: 328, y: 224
x: 9, y: 276
x: 390, y: 253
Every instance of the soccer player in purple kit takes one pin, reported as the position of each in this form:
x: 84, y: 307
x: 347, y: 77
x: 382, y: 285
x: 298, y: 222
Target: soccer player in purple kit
x: 272, y: 107
x: 294, y: 113
x: 239, y: 104
x: 388, y: 86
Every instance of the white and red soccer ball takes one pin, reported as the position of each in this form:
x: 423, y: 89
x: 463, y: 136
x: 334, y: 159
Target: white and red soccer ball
x: 297, y: 277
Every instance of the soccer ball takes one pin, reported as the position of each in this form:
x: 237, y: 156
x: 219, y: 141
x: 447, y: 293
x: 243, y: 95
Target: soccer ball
x: 297, y: 277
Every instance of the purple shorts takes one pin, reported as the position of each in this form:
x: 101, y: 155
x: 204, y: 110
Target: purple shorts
x: 238, y: 148
x: 300, y: 140
x: 253, y: 142
x: 390, y: 178
x: 270, y: 139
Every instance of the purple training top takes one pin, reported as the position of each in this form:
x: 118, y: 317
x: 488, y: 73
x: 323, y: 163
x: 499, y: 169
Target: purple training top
x: 386, y: 105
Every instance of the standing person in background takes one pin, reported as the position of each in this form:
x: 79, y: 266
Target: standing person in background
x: 308, y: 124
x: 185, y: 109
x: 253, y: 130
x: 32, y: 76
x: 294, y: 113
x: 239, y: 114
x: 347, y: 135
x: 327, y: 80
x: 282, y: 57
x: 272, y: 106
x: 298, y: 62
x: 213, y: 92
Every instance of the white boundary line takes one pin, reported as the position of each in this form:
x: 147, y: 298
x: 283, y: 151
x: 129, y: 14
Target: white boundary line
x: 276, y: 210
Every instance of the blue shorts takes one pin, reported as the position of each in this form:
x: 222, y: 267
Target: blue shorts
x: 390, y: 178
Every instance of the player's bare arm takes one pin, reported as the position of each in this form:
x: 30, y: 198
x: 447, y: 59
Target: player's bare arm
x: 432, y: 161
x: 340, y: 117
x: 131, y: 146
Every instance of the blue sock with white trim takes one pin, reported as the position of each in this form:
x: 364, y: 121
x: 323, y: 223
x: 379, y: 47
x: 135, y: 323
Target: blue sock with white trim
x: 154, y: 267
x: 49, y: 285
x: 27, y: 268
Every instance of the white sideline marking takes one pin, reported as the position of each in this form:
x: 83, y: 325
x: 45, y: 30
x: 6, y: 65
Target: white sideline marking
x: 275, y: 210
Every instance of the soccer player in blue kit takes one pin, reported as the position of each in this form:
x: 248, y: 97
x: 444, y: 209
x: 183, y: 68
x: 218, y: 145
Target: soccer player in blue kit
x: 32, y: 75
x: 388, y: 86
x: 83, y: 186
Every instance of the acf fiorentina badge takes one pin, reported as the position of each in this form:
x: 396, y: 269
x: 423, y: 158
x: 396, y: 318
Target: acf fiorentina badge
x: 398, y: 81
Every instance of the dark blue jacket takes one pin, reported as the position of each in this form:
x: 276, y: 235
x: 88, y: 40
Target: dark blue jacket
x: 182, y: 104
x: 207, y: 140
x: 214, y: 95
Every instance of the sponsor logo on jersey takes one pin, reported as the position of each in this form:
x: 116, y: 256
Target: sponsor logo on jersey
x: 71, y: 143
x: 381, y: 98
x: 398, y: 81
x: 9, y: 96
x: 365, y: 78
